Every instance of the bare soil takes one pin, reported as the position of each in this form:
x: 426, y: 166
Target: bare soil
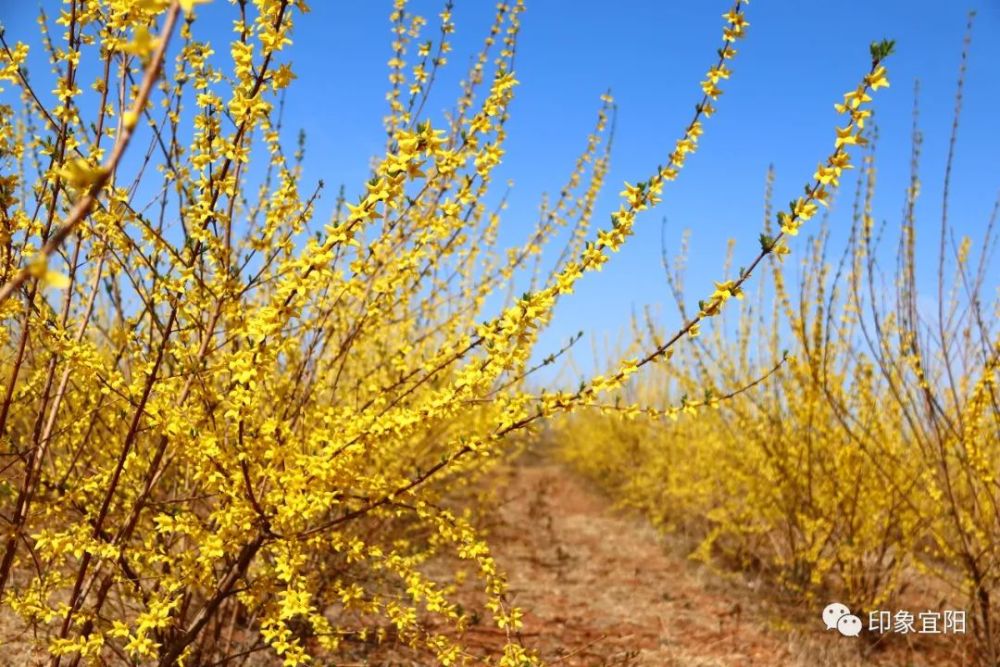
x: 602, y: 587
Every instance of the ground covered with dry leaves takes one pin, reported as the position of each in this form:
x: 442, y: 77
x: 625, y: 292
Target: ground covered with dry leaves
x: 602, y: 587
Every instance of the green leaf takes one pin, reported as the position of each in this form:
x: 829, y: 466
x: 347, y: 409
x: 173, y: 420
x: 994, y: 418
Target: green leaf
x: 881, y: 50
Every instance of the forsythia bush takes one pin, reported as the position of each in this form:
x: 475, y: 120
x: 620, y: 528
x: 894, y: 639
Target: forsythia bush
x: 227, y: 427
x: 871, y: 451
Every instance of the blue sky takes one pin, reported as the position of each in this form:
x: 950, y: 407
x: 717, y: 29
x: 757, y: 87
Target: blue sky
x: 798, y: 59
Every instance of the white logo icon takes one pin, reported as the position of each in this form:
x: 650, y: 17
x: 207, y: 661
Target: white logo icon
x: 849, y: 625
x: 832, y: 614
x: 838, y: 616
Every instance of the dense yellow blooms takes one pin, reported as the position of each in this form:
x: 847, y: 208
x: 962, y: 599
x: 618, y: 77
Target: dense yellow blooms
x: 867, y: 454
x: 227, y: 425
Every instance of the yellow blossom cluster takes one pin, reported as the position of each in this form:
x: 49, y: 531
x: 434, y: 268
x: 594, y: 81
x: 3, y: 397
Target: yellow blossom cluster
x: 864, y: 461
x: 226, y: 425
x: 229, y: 425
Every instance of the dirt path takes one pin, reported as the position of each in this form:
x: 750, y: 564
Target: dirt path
x: 600, y: 588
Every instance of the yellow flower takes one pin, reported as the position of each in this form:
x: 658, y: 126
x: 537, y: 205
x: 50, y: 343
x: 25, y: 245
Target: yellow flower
x: 727, y: 289
x: 143, y: 43
x: 152, y: 5
x: 804, y: 208
x: 79, y: 173
x: 710, y: 89
x: 853, y: 100
x: 878, y: 78
x: 188, y: 5
x: 56, y: 280
x: 39, y: 268
x: 846, y: 136
x: 633, y: 194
